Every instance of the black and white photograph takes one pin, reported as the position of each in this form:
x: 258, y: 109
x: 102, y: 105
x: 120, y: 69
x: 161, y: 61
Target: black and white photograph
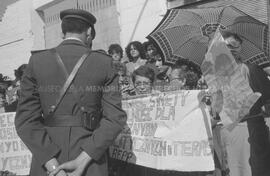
x: 134, y: 88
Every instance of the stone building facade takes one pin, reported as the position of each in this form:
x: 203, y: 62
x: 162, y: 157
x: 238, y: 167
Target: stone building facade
x: 28, y: 25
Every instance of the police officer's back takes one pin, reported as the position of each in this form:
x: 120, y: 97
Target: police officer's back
x: 89, y: 115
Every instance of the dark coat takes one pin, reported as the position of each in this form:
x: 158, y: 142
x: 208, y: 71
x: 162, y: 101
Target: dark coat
x: 258, y: 130
x: 39, y: 89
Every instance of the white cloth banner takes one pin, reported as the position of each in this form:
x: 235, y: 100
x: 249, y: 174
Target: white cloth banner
x: 164, y: 131
x: 14, y: 155
x: 168, y: 131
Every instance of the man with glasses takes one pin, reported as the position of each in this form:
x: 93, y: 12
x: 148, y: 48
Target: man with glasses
x: 143, y: 79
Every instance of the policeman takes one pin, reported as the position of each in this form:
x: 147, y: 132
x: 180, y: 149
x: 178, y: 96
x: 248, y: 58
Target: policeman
x: 69, y: 111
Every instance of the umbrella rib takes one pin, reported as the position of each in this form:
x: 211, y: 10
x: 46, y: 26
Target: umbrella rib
x: 244, y: 13
x: 184, y: 44
x: 198, y: 16
x: 175, y: 27
x: 241, y: 22
x: 220, y: 15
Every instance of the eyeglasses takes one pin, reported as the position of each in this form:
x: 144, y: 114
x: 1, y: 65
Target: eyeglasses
x: 144, y: 83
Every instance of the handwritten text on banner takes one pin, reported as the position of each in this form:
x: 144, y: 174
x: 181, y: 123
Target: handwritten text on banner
x: 166, y: 131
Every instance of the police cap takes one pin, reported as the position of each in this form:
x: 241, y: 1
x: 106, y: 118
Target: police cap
x: 82, y: 15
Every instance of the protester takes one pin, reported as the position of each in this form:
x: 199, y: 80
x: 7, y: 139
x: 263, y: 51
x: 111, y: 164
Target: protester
x: 136, y: 55
x: 143, y: 79
x: 2, y: 101
x: 177, y: 76
x: 19, y: 72
x: 126, y: 86
x: 258, y: 132
x: 13, y: 91
x: 116, y: 51
x: 150, y: 50
x: 154, y: 60
x: 5, y: 82
x: 77, y: 130
x: 182, y: 75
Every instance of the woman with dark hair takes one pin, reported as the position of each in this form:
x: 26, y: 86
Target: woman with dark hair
x: 154, y: 60
x: 19, y: 71
x: 13, y: 91
x: 2, y: 100
x: 150, y: 50
x: 116, y: 51
x: 183, y: 75
x: 5, y: 82
x: 136, y: 55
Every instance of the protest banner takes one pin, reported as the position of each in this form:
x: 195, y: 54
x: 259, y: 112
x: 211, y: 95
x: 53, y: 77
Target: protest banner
x: 14, y: 155
x: 168, y: 131
x: 164, y: 131
x: 228, y: 83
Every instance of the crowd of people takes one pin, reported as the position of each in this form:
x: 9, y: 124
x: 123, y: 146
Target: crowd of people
x: 9, y: 90
x: 143, y: 70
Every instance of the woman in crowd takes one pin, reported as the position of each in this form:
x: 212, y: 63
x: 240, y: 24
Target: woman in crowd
x: 126, y: 87
x: 154, y: 59
x: 2, y: 101
x: 13, y: 91
x: 116, y: 51
x: 136, y: 55
x: 150, y: 50
x: 143, y: 79
x: 183, y: 75
x: 5, y: 82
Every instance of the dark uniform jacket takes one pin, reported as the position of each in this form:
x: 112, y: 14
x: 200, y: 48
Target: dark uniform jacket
x: 259, y: 138
x: 97, y: 84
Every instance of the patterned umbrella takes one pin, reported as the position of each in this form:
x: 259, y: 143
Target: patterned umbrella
x: 185, y: 33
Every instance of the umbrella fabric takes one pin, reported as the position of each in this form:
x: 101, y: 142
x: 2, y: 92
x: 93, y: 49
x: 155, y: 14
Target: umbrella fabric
x: 185, y: 33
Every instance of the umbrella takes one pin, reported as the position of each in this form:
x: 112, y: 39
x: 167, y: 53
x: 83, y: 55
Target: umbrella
x: 185, y: 33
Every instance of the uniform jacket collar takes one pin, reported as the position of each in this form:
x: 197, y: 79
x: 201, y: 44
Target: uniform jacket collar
x: 72, y: 42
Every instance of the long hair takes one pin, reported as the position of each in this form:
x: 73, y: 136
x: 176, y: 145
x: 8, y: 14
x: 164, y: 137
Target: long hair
x: 138, y: 45
x: 19, y: 71
x: 115, y: 48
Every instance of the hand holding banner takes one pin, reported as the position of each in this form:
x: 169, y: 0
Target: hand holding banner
x: 167, y: 131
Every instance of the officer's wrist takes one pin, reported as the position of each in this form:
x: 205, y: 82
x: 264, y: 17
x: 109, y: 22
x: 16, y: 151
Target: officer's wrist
x: 83, y: 158
x: 51, y: 165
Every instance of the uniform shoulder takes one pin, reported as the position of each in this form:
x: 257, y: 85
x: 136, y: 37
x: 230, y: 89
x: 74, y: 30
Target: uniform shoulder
x: 38, y: 51
x: 102, y: 52
x: 38, y: 55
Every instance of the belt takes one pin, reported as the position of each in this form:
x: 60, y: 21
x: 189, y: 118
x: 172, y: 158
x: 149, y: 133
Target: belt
x: 89, y: 122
